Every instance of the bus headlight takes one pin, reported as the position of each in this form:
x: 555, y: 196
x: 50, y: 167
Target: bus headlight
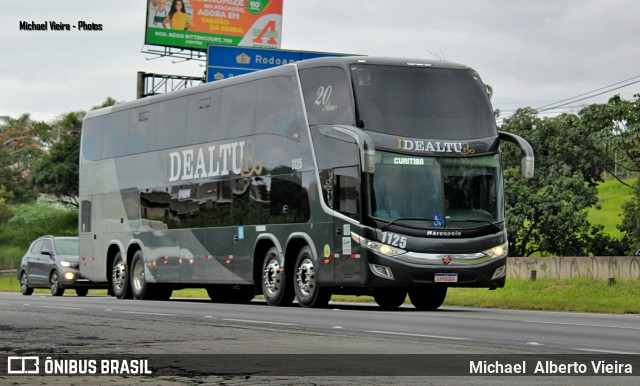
x: 497, y: 251
x: 384, y: 249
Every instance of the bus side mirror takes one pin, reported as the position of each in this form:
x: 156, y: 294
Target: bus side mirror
x: 527, y: 160
x: 365, y: 144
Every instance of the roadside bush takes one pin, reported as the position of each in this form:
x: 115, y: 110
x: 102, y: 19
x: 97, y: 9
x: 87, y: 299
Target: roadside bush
x: 10, y: 256
x: 30, y: 221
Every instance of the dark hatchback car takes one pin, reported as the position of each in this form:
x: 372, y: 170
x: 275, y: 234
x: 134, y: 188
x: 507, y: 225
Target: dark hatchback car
x: 52, y: 262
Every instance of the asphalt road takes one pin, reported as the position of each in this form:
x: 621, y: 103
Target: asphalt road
x: 102, y: 326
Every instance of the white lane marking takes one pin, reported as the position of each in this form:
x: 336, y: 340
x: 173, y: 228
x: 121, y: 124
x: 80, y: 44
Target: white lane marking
x: 337, y: 327
x: 417, y: 335
x: 209, y: 316
x: 606, y: 351
x: 144, y: 313
x: 534, y: 344
x: 581, y: 325
x: 60, y: 308
x: 259, y: 322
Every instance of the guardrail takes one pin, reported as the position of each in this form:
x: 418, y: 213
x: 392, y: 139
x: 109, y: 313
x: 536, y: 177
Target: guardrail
x: 601, y: 268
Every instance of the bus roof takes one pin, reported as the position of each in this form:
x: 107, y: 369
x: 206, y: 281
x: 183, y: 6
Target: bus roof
x: 287, y: 69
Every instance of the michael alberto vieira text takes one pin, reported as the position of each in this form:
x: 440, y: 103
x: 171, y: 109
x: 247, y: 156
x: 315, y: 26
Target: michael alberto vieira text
x: 551, y: 367
x: 58, y: 26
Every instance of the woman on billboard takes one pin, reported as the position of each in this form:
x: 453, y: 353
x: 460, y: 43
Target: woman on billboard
x: 178, y: 17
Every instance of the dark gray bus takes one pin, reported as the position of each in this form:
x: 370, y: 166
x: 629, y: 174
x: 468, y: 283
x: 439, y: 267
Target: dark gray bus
x: 354, y: 175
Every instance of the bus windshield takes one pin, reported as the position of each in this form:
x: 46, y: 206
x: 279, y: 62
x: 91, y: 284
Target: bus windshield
x: 436, y: 192
x: 422, y: 102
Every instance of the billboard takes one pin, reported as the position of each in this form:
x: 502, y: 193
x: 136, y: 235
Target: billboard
x: 195, y: 24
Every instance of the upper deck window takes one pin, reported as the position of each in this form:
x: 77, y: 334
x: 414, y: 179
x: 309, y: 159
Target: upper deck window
x: 424, y: 102
x: 326, y: 96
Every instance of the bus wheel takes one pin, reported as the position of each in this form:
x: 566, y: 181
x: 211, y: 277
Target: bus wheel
x: 231, y: 294
x: 82, y: 291
x: 277, y: 292
x: 427, y: 299
x: 162, y: 292
x: 390, y: 297
x: 120, y: 278
x: 305, y: 284
x: 140, y: 289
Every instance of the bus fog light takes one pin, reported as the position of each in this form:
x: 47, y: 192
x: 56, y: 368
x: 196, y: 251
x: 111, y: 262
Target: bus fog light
x: 499, y: 272
x: 381, y: 270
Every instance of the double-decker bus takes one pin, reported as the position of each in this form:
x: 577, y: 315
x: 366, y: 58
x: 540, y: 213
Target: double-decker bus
x: 352, y: 175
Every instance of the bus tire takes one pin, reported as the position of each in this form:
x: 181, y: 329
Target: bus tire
x: 275, y: 288
x: 390, y: 297
x: 120, y: 278
x: 82, y: 291
x: 231, y: 294
x: 305, y: 284
x: 140, y: 289
x: 427, y: 299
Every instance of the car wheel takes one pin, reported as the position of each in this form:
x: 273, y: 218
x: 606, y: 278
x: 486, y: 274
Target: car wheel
x: 120, y: 278
x: 54, y: 284
x: 276, y: 291
x: 82, y: 291
x: 305, y: 284
x: 24, y: 284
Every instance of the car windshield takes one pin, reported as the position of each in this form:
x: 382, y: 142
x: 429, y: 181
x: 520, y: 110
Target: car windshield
x: 67, y: 246
x: 436, y: 192
x: 422, y: 102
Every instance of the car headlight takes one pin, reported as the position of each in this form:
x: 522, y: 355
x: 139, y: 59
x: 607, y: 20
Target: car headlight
x: 68, y: 264
x: 497, y: 251
x: 385, y: 249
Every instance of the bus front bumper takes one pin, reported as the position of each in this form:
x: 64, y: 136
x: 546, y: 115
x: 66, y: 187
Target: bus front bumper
x: 416, y: 270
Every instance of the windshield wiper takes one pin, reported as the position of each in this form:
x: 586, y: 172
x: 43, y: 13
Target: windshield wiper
x: 477, y: 221
x: 406, y: 219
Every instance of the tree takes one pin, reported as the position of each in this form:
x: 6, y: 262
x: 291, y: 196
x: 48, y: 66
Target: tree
x: 5, y: 210
x: 56, y: 172
x: 615, y: 131
x: 21, y: 143
x: 548, y: 213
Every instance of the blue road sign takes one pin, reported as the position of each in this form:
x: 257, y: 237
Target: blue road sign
x: 227, y: 61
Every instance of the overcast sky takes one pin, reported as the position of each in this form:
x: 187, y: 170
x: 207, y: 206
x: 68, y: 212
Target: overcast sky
x: 533, y: 53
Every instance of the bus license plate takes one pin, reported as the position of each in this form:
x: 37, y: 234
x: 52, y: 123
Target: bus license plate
x: 446, y: 278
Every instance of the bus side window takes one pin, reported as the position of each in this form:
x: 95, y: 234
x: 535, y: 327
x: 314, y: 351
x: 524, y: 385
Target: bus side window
x: 276, y: 111
x: 142, y: 131
x: 92, y: 138
x: 172, y: 123
x: 85, y: 216
x: 238, y: 113
x: 116, y: 134
x: 203, y: 124
x: 347, y: 192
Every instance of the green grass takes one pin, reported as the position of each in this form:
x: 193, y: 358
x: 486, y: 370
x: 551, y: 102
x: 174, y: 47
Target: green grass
x: 611, y: 195
x: 585, y: 295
